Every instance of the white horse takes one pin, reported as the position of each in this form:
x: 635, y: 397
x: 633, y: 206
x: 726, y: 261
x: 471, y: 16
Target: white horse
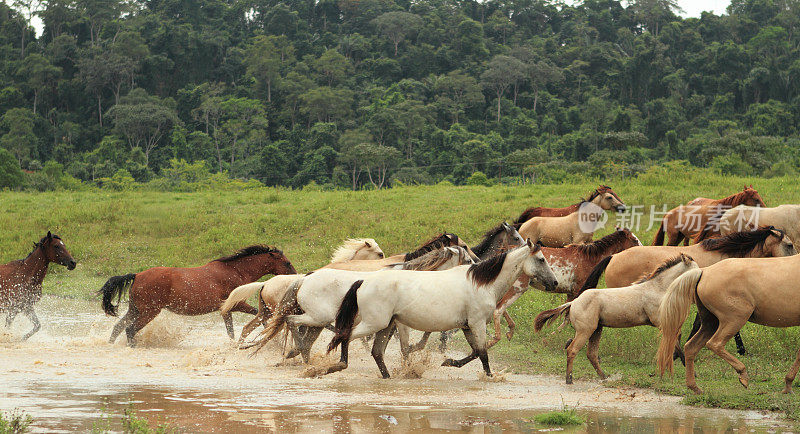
x: 319, y: 294
x: 463, y: 297
x: 748, y: 218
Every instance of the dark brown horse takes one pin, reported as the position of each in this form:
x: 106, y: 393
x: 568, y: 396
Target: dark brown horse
x: 190, y: 291
x: 699, y: 219
x: 601, y: 196
x: 21, y: 280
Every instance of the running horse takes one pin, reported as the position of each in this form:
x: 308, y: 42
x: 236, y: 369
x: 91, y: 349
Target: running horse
x: 21, y: 280
x: 699, y: 219
x: 602, y: 196
x: 190, y: 291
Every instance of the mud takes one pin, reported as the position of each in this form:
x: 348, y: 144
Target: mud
x: 188, y: 374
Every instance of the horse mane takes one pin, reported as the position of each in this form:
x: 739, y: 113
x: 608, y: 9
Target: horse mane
x: 445, y: 239
x: 431, y: 260
x: 662, y: 268
x: 600, y: 246
x: 349, y: 247
x: 40, y: 244
x: 739, y: 244
x: 258, y: 249
x: 487, y: 239
x: 736, y: 198
x: 486, y: 271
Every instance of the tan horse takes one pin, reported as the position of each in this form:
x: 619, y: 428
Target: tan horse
x: 576, y: 228
x: 602, y: 196
x: 630, y: 306
x: 728, y: 295
x: 700, y: 217
x: 747, y: 218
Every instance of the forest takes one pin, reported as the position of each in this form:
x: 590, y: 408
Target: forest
x: 356, y: 94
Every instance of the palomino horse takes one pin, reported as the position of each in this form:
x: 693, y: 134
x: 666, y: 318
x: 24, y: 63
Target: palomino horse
x: 272, y: 291
x: 602, y: 196
x: 21, y: 280
x: 728, y: 294
x: 578, y: 227
x: 626, y: 267
x: 359, y: 249
x: 700, y: 217
x: 630, y: 306
x: 312, y: 301
x: 571, y: 265
x: 463, y: 297
x: 747, y: 218
x: 190, y: 291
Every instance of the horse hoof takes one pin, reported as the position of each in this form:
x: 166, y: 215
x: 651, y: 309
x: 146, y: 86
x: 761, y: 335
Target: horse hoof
x: 696, y: 390
x: 448, y: 362
x: 509, y: 335
x: 336, y: 368
x: 569, y: 380
x: 744, y: 381
x: 787, y: 390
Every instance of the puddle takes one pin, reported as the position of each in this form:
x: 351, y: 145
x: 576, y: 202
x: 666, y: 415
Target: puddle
x: 189, y: 375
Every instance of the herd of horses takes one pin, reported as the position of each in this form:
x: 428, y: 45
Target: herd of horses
x: 743, y: 270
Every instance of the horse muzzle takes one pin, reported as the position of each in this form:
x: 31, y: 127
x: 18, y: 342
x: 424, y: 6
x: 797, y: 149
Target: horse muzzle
x: 71, y: 265
x: 621, y: 208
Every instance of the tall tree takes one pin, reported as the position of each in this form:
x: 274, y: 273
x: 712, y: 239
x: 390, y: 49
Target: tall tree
x: 501, y: 72
x: 397, y: 26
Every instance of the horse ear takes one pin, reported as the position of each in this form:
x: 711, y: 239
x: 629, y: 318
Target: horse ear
x: 366, y: 243
x: 49, y: 235
x: 528, y: 243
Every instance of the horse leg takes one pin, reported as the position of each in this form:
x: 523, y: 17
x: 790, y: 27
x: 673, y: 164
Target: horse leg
x: 343, y: 359
x: 124, y: 322
x: 403, y: 335
x: 249, y: 327
x: 12, y: 313
x: 142, y: 319
x: 228, y: 319
x: 244, y: 308
x: 443, y: 336
x: 593, y: 351
x: 572, y: 350
x: 422, y: 342
x: 675, y: 237
x: 379, y: 347
x: 31, y: 314
x: 461, y: 362
x: 311, y: 335
x: 739, y: 343
x: 511, y: 325
x: 790, y: 376
x: 727, y: 328
x: 708, y: 326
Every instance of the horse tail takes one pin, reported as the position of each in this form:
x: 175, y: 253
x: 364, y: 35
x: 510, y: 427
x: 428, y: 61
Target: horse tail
x: 659, y: 238
x: 115, y: 287
x: 287, y: 306
x: 594, y: 276
x: 549, y: 316
x: 240, y: 293
x: 346, y: 316
x: 672, y: 313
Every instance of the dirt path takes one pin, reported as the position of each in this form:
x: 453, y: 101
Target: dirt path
x: 189, y: 373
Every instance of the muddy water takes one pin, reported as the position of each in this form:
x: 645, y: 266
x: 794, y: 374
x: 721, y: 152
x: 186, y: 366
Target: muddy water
x: 186, y: 373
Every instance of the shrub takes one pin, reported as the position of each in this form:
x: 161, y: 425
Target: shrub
x: 11, y: 175
x: 479, y: 178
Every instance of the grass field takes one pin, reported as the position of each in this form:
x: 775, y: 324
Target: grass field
x: 112, y: 233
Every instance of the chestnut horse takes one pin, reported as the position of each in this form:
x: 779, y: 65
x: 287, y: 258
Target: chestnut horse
x: 21, y: 280
x: 699, y: 219
x: 190, y: 291
x: 602, y: 196
x: 729, y: 294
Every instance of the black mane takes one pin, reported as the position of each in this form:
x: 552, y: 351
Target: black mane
x: 662, y: 268
x: 486, y: 271
x: 739, y: 244
x: 446, y: 239
x: 601, y: 246
x: 258, y: 249
x: 488, y: 237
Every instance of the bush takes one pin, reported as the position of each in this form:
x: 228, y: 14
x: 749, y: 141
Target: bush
x: 52, y: 177
x: 731, y: 164
x: 11, y: 175
x: 15, y: 422
x: 122, y: 180
x: 479, y: 178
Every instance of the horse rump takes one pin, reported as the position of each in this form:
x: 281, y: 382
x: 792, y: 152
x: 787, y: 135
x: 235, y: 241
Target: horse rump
x: 115, y: 286
x: 346, y: 316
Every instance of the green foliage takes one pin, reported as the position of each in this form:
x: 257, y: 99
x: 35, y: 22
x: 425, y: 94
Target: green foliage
x: 11, y: 175
x: 567, y: 416
x: 479, y: 178
x: 731, y: 165
x: 14, y: 422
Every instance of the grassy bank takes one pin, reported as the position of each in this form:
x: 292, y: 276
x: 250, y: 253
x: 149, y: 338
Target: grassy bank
x: 111, y: 233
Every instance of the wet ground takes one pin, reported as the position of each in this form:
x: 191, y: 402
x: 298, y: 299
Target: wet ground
x: 188, y: 374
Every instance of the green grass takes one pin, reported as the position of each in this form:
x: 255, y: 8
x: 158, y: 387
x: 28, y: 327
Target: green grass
x: 129, y: 423
x: 564, y: 417
x: 14, y: 422
x: 112, y: 233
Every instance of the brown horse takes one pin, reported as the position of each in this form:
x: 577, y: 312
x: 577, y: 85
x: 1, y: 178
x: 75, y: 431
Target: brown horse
x: 699, y: 219
x: 571, y: 265
x: 21, y: 280
x: 602, y: 196
x: 190, y: 291
x: 729, y: 294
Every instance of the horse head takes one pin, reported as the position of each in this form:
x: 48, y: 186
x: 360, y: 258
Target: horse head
x: 55, y: 251
x: 606, y: 198
x: 536, y: 267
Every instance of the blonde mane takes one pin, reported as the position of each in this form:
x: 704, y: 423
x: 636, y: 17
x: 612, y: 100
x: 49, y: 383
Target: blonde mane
x: 350, y: 247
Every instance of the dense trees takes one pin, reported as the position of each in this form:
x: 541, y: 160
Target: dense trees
x: 364, y: 93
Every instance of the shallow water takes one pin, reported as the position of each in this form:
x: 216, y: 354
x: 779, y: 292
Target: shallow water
x: 189, y: 375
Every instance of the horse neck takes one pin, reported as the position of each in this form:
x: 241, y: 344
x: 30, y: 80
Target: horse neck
x: 511, y: 271
x: 251, y: 268
x: 35, y: 266
x: 697, y: 251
